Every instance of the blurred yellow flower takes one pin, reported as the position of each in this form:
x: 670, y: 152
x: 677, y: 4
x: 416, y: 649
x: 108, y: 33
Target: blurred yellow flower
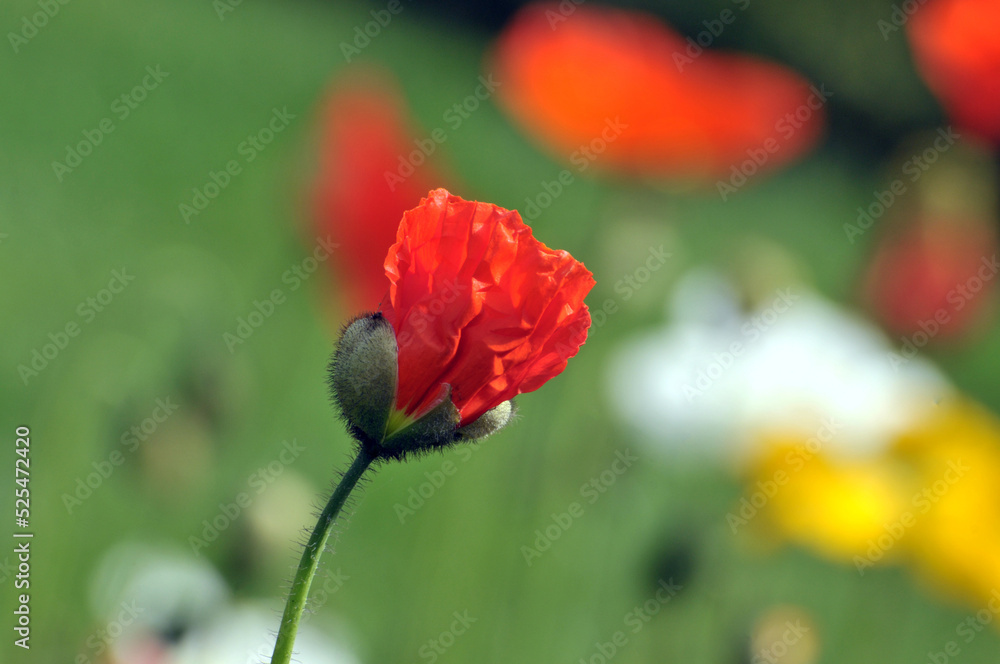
x: 957, y: 542
x: 839, y: 507
x: 931, y: 500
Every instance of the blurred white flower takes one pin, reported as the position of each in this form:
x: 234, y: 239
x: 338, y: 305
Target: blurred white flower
x: 246, y: 635
x: 716, y: 377
x: 162, y: 605
x: 166, y: 588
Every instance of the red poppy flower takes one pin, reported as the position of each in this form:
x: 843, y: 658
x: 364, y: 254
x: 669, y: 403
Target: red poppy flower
x: 956, y: 44
x: 933, y: 275
x: 360, y: 194
x: 622, y: 90
x: 480, y: 305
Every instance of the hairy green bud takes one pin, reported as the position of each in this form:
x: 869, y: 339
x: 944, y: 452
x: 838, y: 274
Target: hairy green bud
x: 363, y: 374
x: 489, y: 423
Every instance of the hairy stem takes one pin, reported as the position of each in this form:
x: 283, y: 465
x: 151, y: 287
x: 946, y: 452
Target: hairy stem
x: 310, y: 559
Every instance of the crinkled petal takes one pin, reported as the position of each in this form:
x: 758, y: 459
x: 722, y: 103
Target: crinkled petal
x: 478, y: 303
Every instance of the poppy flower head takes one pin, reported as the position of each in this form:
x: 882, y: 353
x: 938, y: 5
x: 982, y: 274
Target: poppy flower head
x: 479, y: 304
x: 478, y: 311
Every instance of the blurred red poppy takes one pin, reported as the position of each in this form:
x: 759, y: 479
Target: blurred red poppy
x: 933, y: 276
x: 623, y: 90
x: 367, y: 178
x: 956, y: 44
x: 479, y: 304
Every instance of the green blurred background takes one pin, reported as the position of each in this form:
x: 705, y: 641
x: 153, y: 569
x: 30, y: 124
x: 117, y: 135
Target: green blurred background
x: 162, y: 338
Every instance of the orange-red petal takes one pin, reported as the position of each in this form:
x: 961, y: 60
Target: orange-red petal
x: 479, y: 304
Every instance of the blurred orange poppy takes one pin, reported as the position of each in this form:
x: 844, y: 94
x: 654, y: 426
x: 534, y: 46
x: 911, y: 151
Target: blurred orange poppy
x: 956, y: 44
x: 624, y: 91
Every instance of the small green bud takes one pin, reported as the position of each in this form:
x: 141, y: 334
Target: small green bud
x: 489, y: 422
x: 363, y: 375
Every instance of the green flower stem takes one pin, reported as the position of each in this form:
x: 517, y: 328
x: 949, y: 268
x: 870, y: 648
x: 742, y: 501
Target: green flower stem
x: 310, y: 559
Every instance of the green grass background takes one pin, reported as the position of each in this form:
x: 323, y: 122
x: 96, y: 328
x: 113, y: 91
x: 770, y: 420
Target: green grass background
x: 461, y: 551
